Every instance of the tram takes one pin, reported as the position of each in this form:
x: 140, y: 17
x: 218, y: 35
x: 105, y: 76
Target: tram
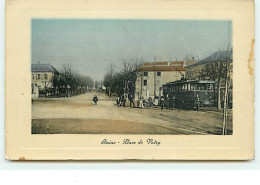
x: 189, y: 94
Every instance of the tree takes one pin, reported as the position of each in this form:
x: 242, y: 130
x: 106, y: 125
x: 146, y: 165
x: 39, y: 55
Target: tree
x: 217, y: 69
x: 129, y: 71
x: 122, y: 81
x: 71, y: 82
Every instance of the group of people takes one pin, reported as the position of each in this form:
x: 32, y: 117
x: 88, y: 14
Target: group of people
x: 166, y: 102
x: 121, y: 100
x: 141, y: 103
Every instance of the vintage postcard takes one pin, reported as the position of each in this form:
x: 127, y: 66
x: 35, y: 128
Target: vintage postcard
x: 110, y: 80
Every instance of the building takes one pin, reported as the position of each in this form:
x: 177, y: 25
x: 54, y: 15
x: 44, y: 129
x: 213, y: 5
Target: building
x: 152, y: 75
x: 195, y: 72
x: 190, y: 61
x: 41, y: 79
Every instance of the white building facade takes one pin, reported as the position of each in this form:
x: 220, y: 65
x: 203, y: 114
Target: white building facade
x: 151, y: 77
x: 41, y: 79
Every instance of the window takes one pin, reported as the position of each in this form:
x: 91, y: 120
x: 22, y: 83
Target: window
x: 145, y: 73
x: 145, y: 82
x: 158, y: 73
x: 33, y: 76
x: 45, y: 76
x: 196, y: 87
x: 191, y: 87
x: 210, y: 87
x: 184, y: 87
x: 39, y: 76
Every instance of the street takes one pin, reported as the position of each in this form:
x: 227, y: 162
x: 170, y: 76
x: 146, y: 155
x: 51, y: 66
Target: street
x: 79, y: 115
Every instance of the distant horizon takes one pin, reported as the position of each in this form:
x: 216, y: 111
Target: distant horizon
x: 91, y: 45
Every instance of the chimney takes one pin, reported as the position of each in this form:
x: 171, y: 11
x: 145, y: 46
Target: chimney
x: 38, y: 67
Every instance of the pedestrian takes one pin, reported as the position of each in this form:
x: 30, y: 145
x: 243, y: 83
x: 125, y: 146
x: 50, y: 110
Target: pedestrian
x: 123, y: 100
x: 138, y: 103
x: 162, y: 103
x: 118, y: 101
x: 142, y: 102
x: 150, y: 101
x: 171, y: 103
x: 168, y: 103
x: 95, y: 99
x: 131, y: 99
x: 156, y: 102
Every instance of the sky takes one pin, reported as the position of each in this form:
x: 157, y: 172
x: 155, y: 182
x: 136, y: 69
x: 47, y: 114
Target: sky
x: 89, y: 46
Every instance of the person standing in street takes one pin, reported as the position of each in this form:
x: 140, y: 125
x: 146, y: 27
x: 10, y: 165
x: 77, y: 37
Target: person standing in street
x: 138, y: 103
x: 118, y: 101
x: 131, y: 99
x: 142, y: 102
x: 123, y: 100
x: 150, y: 101
x: 95, y: 99
x: 162, y: 103
x: 167, y: 102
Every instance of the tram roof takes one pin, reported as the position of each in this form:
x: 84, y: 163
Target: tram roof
x: 191, y: 81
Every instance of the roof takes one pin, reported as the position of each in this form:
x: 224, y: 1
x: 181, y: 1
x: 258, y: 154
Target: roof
x: 42, y: 68
x: 170, y: 63
x: 219, y: 56
x: 190, y: 81
x: 162, y: 66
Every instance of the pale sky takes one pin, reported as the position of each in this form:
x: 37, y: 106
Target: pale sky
x: 90, y: 45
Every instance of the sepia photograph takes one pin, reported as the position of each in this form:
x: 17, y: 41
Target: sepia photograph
x: 131, y: 76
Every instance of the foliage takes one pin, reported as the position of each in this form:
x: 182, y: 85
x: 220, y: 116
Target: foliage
x: 69, y: 78
x: 122, y: 81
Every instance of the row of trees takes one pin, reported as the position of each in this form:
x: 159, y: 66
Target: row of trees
x: 69, y: 82
x: 122, y: 80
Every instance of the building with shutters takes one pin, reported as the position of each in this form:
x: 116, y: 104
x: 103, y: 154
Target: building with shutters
x: 152, y: 75
x: 41, y: 79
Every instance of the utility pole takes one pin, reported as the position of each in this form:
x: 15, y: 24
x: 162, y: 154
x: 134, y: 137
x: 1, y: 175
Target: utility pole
x: 38, y: 69
x: 141, y: 94
x: 225, y: 107
x: 225, y: 110
x: 154, y: 77
x: 141, y: 72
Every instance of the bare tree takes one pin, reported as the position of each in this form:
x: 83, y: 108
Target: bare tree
x: 124, y: 80
x: 129, y: 72
x: 217, y: 69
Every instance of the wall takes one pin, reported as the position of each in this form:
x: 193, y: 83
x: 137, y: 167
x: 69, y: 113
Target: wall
x: 41, y: 82
x: 148, y: 91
